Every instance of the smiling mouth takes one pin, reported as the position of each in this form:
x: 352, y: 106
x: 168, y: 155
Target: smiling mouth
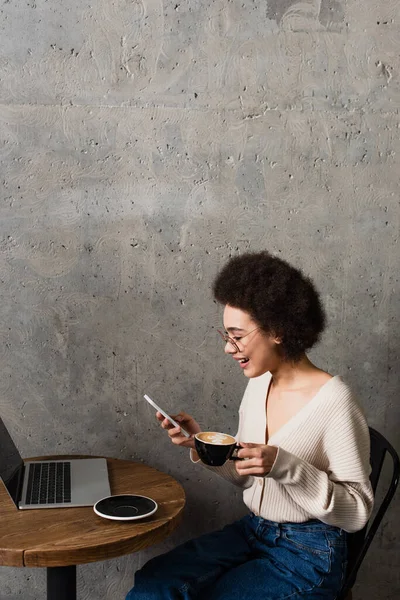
x: 243, y: 361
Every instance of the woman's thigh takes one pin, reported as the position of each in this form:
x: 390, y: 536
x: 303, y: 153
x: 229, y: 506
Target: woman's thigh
x: 260, y: 579
x: 289, y: 563
x: 191, y: 567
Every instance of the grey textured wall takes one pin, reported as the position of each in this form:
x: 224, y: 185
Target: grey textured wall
x: 141, y: 144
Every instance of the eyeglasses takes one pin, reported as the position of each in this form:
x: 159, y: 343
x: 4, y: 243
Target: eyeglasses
x: 228, y: 340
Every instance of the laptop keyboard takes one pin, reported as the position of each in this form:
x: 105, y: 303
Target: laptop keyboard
x: 49, y: 483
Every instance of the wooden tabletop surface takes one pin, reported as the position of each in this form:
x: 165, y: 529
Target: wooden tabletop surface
x: 58, y: 537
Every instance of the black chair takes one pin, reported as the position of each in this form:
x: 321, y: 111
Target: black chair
x: 358, y: 543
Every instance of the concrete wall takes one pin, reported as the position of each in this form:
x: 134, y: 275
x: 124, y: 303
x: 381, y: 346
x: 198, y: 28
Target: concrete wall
x: 141, y: 145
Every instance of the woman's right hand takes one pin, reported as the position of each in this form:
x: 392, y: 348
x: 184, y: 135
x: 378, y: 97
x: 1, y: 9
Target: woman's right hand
x: 175, y: 433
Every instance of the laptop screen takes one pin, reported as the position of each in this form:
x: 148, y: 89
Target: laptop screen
x: 11, y: 463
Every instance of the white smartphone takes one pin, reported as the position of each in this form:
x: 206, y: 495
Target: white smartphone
x: 166, y: 415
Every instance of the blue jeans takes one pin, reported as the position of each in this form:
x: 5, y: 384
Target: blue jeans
x: 251, y: 559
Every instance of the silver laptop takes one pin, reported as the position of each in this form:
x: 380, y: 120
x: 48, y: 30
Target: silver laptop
x: 51, y: 483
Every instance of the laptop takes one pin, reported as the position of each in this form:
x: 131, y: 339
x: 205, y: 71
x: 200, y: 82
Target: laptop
x: 51, y: 483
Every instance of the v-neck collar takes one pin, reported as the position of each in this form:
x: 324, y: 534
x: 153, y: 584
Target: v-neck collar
x: 300, y: 415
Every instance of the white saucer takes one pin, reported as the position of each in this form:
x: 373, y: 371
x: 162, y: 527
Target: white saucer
x: 125, y: 507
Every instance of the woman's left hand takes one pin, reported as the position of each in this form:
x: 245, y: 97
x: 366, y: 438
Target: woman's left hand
x: 259, y: 459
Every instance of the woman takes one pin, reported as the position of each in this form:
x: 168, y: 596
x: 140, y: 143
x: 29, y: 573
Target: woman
x: 305, y: 442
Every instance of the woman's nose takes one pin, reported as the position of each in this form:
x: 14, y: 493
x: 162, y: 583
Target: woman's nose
x: 230, y: 348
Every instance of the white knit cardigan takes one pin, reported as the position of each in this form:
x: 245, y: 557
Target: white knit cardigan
x: 322, y: 467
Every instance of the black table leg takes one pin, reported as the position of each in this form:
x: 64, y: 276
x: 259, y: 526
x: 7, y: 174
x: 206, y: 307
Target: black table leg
x: 61, y: 583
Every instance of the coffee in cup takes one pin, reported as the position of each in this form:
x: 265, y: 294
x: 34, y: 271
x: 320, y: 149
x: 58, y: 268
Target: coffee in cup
x: 215, y: 448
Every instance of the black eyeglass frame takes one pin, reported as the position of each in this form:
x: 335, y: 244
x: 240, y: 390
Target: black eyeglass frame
x: 228, y: 340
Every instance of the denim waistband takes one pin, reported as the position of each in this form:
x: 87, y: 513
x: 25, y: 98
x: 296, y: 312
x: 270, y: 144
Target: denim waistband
x: 311, y: 525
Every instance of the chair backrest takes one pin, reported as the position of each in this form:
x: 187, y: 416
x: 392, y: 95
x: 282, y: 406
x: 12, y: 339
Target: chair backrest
x: 359, y: 542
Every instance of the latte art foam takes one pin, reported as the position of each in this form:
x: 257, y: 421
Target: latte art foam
x: 214, y: 437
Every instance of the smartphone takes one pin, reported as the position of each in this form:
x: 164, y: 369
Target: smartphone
x: 166, y: 415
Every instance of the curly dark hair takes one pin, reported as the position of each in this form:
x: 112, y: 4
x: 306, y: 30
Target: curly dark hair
x: 279, y: 297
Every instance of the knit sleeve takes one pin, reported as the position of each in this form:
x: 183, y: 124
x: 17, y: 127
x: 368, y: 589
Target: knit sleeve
x: 342, y: 495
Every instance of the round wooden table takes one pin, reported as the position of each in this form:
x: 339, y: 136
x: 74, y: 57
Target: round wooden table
x: 61, y: 538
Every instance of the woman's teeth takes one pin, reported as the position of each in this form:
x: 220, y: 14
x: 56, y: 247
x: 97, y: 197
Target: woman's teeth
x: 244, y: 360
